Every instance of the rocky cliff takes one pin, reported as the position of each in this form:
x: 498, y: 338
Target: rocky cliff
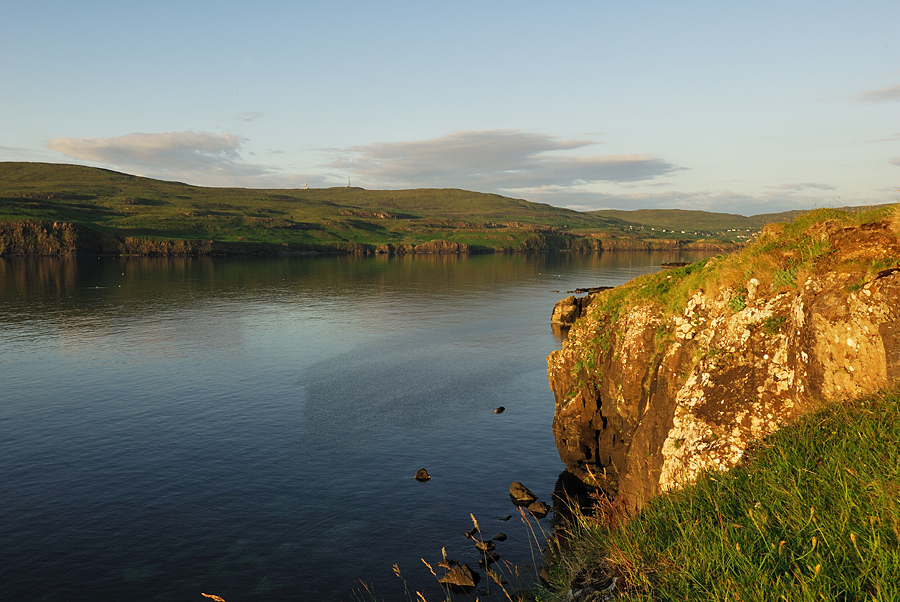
x: 679, y: 372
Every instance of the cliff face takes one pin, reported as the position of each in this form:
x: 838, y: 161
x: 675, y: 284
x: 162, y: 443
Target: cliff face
x: 677, y: 373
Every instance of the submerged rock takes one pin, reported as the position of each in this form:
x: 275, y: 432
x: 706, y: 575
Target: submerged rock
x: 499, y: 410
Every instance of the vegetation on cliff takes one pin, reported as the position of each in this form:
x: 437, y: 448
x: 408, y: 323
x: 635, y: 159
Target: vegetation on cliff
x: 677, y: 372
x: 812, y: 513
x: 713, y: 406
x: 119, y: 213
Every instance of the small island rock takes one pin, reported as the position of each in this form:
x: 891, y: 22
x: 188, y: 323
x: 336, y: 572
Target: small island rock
x: 521, y: 495
x: 485, y: 546
x: 422, y: 475
x: 460, y: 578
x: 539, y: 509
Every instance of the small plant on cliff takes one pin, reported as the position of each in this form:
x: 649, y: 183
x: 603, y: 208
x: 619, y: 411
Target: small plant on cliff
x: 738, y: 301
x: 773, y: 324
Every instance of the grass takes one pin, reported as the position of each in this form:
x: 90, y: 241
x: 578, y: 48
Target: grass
x: 783, y: 255
x: 128, y: 206
x: 812, y: 513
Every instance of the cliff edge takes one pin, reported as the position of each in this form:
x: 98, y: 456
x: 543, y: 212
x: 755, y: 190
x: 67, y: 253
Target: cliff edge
x: 678, y: 372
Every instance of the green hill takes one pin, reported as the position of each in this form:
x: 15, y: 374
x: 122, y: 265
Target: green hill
x: 55, y: 208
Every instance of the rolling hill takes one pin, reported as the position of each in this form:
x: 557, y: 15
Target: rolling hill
x: 55, y: 208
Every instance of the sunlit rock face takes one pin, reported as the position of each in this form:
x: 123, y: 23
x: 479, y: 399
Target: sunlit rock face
x: 646, y: 401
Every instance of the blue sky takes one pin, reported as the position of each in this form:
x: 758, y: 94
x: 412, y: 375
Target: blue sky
x: 723, y: 106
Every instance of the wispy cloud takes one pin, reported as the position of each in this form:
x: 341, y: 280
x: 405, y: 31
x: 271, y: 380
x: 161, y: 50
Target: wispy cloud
x: 170, y: 152
x: 492, y: 160
x: 202, y: 158
x: 889, y: 138
x: 884, y: 94
x: 806, y: 186
x: 248, y: 116
x: 16, y: 153
x: 775, y: 200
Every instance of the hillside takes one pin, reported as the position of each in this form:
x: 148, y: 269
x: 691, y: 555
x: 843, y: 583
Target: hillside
x: 696, y: 221
x: 52, y: 208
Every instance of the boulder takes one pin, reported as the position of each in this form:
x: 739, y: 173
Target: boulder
x: 422, y: 475
x: 539, y: 509
x: 460, y: 578
x: 521, y: 495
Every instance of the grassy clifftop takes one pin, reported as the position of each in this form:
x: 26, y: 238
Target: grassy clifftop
x: 140, y: 209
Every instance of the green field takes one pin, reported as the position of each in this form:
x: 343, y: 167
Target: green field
x: 143, y: 210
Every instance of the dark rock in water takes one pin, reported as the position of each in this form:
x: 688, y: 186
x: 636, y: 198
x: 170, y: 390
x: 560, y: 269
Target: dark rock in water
x: 506, y: 518
x: 489, y: 557
x: 471, y: 532
x: 485, y: 546
x: 673, y: 264
x: 422, y: 475
x: 521, y: 495
x: 460, y: 578
x: 499, y: 537
x: 539, y: 509
x: 499, y: 410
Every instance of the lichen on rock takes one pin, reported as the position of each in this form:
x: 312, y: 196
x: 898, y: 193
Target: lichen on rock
x: 676, y: 373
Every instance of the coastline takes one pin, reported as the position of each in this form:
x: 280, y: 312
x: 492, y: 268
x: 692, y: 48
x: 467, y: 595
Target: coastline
x: 56, y: 238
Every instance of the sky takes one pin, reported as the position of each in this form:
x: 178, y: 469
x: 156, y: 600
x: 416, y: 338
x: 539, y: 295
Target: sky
x: 737, y: 107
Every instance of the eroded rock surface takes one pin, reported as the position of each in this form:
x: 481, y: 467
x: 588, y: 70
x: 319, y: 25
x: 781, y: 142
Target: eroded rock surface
x: 646, y: 401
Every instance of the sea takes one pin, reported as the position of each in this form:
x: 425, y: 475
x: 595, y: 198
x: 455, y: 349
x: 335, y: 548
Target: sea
x: 249, y: 427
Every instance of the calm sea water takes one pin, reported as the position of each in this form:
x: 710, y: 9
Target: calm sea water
x: 250, y: 427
